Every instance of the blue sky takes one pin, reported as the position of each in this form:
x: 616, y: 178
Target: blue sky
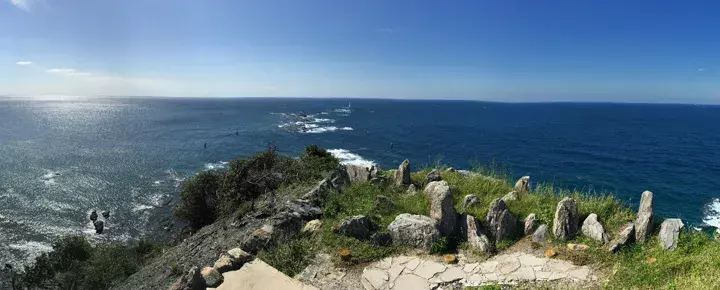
x: 504, y: 50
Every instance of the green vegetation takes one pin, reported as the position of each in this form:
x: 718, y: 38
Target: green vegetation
x: 75, y: 264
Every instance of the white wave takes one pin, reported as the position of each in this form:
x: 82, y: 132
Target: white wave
x: 31, y: 247
x: 323, y: 120
x: 49, y: 177
x: 712, y: 213
x: 347, y: 157
x: 343, y: 110
x: 216, y: 166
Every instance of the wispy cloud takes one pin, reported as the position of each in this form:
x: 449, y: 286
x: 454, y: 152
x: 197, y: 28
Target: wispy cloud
x: 702, y: 69
x: 68, y: 72
x: 22, y: 4
x: 23, y: 63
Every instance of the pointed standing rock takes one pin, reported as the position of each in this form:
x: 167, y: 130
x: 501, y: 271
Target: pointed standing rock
x: 626, y: 236
x: 644, y: 220
x: 565, y: 225
x: 523, y: 184
x: 541, y: 234
x: 669, y: 232
x: 442, y: 206
x: 529, y: 224
x: 593, y: 229
x: 475, y: 237
x: 402, y: 175
x: 501, y: 223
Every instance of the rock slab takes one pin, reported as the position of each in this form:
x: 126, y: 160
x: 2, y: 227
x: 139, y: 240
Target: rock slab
x: 475, y: 237
x: 414, y: 230
x: 565, y: 224
x: 644, y: 220
x: 442, y: 207
x: 625, y: 237
x: 530, y: 223
x: 541, y: 234
x: 669, y: 233
x: 593, y: 229
x: 501, y: 223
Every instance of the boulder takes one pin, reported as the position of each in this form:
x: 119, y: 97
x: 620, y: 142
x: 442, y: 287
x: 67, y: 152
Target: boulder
x: 592, y: 228
x: 565, y: 224
x: 469, y: 201
x: 232, y: 260
x: 212, y: 277
x: 644, y: 220
x: 384, y: 203
x: 361, y: 173
x: 191, y: 280
x: 513, y: 195
x: 106, y: 214
x: 311, y: 227
x: 541, y: 234
x: 304, y: 209
x: 318, y: 194
x: 99, y: 226
x: 93, y: 216
x: 501, y: 223
x: 523, y: 184
x: 414, y: 230
x: 530, y: 223
x: 339, y: 178
x: 625, y: 237
x: 442, y: 206
x: 258, y: 239
x: 669, y: 233
x: 475, y: 237
x: 359, y: 227
x: 411, y: 189
x: 402, y: 175
x: 433, y: 176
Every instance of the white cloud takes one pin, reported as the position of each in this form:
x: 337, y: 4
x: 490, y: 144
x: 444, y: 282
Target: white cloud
x: 22, y: 4
x: 24, y: 63
x: 61, y: 70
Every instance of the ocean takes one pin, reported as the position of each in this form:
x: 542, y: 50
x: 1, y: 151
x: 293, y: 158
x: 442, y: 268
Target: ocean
x: 61, y: 158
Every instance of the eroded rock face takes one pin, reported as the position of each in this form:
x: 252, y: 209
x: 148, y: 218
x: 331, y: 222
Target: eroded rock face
x: 475, y: 237
x: 501, y: 223
x: 402, y: 175
x: 359, y: 227
x: 339, y: 178
x: 644, y: 220
x: 361, y: 173
x: 669, y: 233
x: 523, y: 184
x: 414, y: 230
x: 433, y: 176
x: 625, y: 237
x: 541, y: 234
x: 442, y: 207
x: 211, y: 276
x: 530, y: 223
x: 593, y: 229
x: 565, y: 224
x: 469, y: 201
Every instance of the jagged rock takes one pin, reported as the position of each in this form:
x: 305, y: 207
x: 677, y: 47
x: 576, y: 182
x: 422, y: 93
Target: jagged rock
x: 319, y: 193
x: 592, y: 228
x: 360, y: 173
x: 513, y: 195
x: 93, y: 216
x: 501, y: 223
x: 669, y: 233
x: 414, y: 230
x: 304, y: 208
x: 475, y: 237
x: 258, y: 239
x: 626, y: 236
x: 433, y: 176
x: 311, y: 227
x: 99, y: 227
x: 384, y: 203
x: 541, y: 234
x: 191, y: 280
x: 442, y: 207
x: 211, y: 276
x: 106, y: 214
x: 523, y: 184
x: 339, y: 178
x: 565, y: 224
x: 232, y: 260
x: 530, y: 223
x: 402, y: 175
x: 644, y: 220
x: 469, y: 201
x: 359, y: 227
x: 411, y: 189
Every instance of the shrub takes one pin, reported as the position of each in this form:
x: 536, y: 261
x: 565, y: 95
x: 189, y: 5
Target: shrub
x: 199, y: 199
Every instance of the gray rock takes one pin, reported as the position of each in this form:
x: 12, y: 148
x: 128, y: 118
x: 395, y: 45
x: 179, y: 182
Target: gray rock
x: 465, y: 173
x: 93, y: 216
x: 625, y: 237
x: 304, y: 208
x: 384, y: 203
x: 191, y: 280
x: 541, y: 234
x: 360, y: 173
x: 470, y: 200
x: 523, y: 184
x: 475, y: 237
x: 318, y: 194
x: 258, y: 239
x: 530, y: 223
x: 359, y: 227
x: 311, y: 227
x: 433, y: 176
x: 511, y: 196
x: 414, y: 230
x: 565, y: 224
x: 402, y: 175
x: 644, y: 220
x: 411, y: 189
x: 106, y: 214
x: 669, y: 233
x: 339, y: 178
x: 450, y: 170
x: 592, y: 228
x: 232, y: 260
x: 501, y: 223
x: 99, y: 226
x: 442, y: 206
x: 212, y: 277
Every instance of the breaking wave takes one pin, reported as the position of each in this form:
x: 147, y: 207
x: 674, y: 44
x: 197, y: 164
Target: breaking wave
x: 347, y: 157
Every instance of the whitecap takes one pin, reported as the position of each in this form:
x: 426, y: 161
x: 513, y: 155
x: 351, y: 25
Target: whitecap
x: 323, y: 120
x: 347, y: 157
x: 49, y: 177
x: 216, y: 166
x: 31, y: 247
x: 712, y: 213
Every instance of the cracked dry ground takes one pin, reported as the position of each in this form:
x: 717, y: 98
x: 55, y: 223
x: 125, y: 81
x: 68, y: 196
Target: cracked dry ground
x: 415, y: 272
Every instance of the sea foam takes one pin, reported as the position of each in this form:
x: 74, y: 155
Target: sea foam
x: 347, y: 157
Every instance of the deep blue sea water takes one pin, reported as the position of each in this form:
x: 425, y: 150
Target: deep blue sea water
x: 61, y: 158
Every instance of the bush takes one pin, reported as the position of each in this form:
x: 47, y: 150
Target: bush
x: 199, y: 199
